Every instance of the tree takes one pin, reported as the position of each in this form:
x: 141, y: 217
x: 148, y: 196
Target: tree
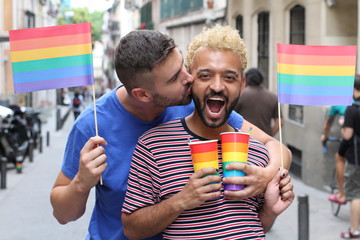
x: 96, y: 25
x: 81, y: 15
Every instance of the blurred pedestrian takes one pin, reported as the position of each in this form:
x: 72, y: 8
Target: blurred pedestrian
x: 336, y: 111
x: 77, y: 104
x: 258, y: 105
x: 351, y: 131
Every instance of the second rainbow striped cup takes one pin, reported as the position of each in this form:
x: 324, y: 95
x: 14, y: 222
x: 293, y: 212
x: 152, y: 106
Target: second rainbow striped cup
x: 235, y: 146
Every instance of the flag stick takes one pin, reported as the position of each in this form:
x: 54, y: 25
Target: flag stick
x: 280, y: 135
x: 95, y: 119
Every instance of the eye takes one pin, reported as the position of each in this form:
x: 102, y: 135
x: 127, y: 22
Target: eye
x: 204, y: 76
x: 230, y: 78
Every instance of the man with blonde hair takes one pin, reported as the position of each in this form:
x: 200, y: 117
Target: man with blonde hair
x: 166, y: 195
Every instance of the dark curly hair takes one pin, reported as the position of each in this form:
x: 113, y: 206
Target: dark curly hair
x: 254, y: 77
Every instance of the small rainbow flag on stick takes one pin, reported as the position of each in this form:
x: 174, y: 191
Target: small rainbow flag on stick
x: 316, y: 75
x: 51, y: 57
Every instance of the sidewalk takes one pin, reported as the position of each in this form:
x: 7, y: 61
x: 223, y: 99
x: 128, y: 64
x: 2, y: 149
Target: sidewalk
x: 26, y: 212
x: 322, y: 224
x: 25, y: 209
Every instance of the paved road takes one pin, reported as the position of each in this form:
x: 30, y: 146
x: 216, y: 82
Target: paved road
x: 26, y: 213
x: 25, y: 210
x: 322, y: 224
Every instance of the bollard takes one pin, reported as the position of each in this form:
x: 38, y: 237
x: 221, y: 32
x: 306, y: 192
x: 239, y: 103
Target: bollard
x: 58, y: 119
x: 47, y: 138
x: 40, y: 144
x: 303, y: 217
x: 3, y: 170
x: 31, y: 150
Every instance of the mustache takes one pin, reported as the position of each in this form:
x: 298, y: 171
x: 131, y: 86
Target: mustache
x: 219, y: 94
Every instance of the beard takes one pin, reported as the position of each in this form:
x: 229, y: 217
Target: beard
x: 213, y: 122
x: 162, y: 101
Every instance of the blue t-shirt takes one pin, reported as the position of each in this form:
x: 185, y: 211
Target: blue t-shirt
x: 121, y: 131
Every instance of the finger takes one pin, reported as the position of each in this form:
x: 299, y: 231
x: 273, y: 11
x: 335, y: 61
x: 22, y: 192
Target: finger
x: 245, y: 180
x: 238, y: 166
x: 93, y: 142
x: 284, y: 181
x: 288, y: 196
x: 212, y: 195
x: 96, y: 152
x: 239, y: 195
x: 212, y: 187
x: 286, y: 188
x: 97, y: 171
x: 205, y: 171
x: 98, y: 161
x: 208, y: 180
x: 283, y: 172
x: 89, y: 157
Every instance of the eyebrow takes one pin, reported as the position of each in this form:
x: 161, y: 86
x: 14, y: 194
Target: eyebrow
x: 226, y: 71
x: 232, y: 72
x: 203, y: 70
x: 177, y: 73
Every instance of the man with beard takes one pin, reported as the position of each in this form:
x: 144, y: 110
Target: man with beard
x: 154, y: 77
x: 165, y: 195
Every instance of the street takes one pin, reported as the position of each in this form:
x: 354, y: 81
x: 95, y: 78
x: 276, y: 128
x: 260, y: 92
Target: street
x: 25, y: 209
x: 26, y: 212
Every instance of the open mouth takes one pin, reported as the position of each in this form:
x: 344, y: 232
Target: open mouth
x: 215, y: 105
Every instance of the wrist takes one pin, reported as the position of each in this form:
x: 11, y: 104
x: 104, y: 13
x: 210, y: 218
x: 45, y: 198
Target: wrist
x: 267, y: 212
x: 176, y: 203
x: 79, y: 186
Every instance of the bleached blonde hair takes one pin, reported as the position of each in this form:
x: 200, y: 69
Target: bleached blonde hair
x: 218, y: 38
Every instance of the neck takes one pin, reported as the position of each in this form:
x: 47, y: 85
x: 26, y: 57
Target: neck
x: 195, y: 125
x: 356, y: 94
x: 144, y: 111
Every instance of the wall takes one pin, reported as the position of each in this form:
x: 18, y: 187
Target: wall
x: 324, y: 26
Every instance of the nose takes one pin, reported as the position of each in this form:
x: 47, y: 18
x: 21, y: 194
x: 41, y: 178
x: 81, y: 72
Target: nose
x: 216, y: 84
x: 188, y: 78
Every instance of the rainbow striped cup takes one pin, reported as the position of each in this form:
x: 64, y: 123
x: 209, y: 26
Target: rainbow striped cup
x: 234, y: 147
x: 204, y: 154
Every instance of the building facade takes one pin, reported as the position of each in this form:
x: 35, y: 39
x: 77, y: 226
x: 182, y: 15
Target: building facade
x: 262, y: 24
x: 19, y: 14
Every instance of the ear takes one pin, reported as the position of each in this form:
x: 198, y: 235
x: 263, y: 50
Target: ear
x: 243, y: 84
x: 142, y: 94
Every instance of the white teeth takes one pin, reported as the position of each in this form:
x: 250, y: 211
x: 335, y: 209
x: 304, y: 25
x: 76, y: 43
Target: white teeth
x: 216, y: 99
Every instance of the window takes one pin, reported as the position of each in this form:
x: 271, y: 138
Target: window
x: 30, y: 19
x: 263, y: 46
x: 171, y: 8
x: 297, y: 25
x: 239, y: 25
x: 146, y: 16
x: 296, y: 163
x: 297, y: 36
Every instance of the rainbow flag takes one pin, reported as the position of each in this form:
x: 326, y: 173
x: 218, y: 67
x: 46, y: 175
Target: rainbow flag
x: 316, y: 75
x: 51, y: 57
